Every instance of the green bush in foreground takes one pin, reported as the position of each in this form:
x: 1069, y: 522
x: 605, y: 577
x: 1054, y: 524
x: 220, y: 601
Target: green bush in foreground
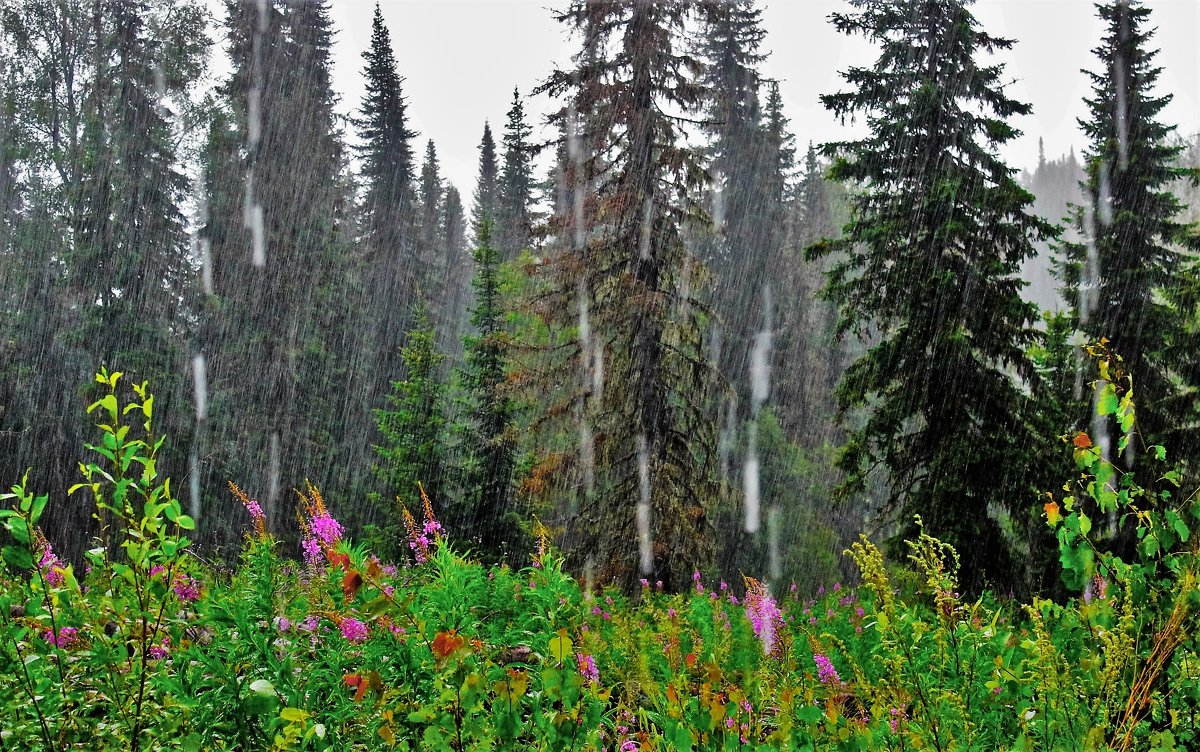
x: 153, y: 649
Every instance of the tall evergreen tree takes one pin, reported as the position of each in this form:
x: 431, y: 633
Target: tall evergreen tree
x: 931, y: 254
x: 627, y: 269
x: 412, y: 424
x: 388, y: 211
x: 514, y: 213
x: 280, y: 305
x: 430, y: 226
x: 487, y: 186
x: 455, y: 264
x: 1132, y: 277
x: 490, y: 434
x: 746, y: 204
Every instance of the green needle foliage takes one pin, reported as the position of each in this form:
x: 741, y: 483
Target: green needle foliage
x: 1132, y: 279
x: 928, y: 272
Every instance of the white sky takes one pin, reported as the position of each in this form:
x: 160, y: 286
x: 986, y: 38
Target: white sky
x: 462, y: 58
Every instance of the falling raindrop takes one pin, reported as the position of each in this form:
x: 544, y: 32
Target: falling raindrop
x: 206, y: 270
x: 750, y: 479
x: 645, y: 545
x: 258, y: 237
x: 774, y: 555
x: 194, y: 484
x: 200, y: 378
x: 587, y: 456
x: 727, y: 433
x: 760, y: 368
x: 273, y: 478
x: 647, y: 229
x: 1104, y: 208
x: 718, y: 201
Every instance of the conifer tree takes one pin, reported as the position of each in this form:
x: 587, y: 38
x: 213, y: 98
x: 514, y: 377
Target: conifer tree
x: 514, y: 218
x: 455, y: 263
x: 430, y: 226
x: 490, y: 431
x: 487, y: 188
x: 1132, y: 290
x: 279, y: 304
x: 388, y: 211
x: 413, y: 423
x: 746, y: 204
x: 643, y: 394
x: 931, y: 253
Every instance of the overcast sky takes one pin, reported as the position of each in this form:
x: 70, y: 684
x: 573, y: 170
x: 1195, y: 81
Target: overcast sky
x: 462, y: 58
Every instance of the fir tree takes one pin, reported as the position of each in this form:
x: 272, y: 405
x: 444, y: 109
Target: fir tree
x: 643, y: 394
x: 514, y: 217
x: 430, y: 226
x: 487, y: 188
x: 455, y: 265
x: 388, y: 211
x: 280, y: 301
x: 931, y: 254
x: 412, y: 425
x: 490, y: 432
x: 1132, y: 288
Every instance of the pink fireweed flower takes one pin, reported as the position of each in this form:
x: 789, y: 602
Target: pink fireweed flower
x: 67, y: 637
x: 161, y: 650
x: 312, y: 551
x: 327, y: 530
x: 186, y: 589
x: 353, y: 630
x: 825, y: 670
x: 587, y: 668
x: 282, y: 623
x: 52, y: 569
x: 764, y: 614
x: 156, y: 570
x: 696, y: 579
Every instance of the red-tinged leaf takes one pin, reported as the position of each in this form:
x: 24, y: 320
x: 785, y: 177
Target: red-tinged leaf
x: 1082, y: 440
x: 350, y: 584
x: 352, y: 680
x: 446, y: 643
x: 338, y: 560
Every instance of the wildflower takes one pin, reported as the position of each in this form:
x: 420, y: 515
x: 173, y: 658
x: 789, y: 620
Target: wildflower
x: 327, y: 529
x: 156, y: 570
x: 282, y: 623
x: 51, y: 567
x: 312, y: 551
x: 587, y: 668
x: 670, y: 613
x: 310, y: 624
x: 186, y: 589
x: 729, y: 722
x: 696, y: 579
x: 825, y: 670
x: 353, y: 630
x: 67, y: 637
x: 764, y: 614
x: 658, y: 585
x: 645, y: 583
x: 159, y: 651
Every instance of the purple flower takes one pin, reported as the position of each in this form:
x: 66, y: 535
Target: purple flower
x: 312, y: 551
x: 282, y: 623
x: 67, y: 637
x: 765, y: 616
x: 158, y: 652
x: 327, y: 529
x: 670, y: 613
x: 156, y: 570
x: 825, y: 670
x: 186, y: 589
x: 252, y: 506
x: 587, y: 668
x: 353, y: 630
x: 51, y: 566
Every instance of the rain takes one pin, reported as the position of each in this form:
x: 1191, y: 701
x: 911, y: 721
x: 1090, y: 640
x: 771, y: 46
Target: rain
x: 680, y: 311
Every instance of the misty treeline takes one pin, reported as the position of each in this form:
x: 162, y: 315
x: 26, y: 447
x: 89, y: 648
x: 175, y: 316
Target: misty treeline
x: 684, y: 345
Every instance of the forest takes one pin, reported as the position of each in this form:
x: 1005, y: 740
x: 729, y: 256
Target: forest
x: 677, y: 430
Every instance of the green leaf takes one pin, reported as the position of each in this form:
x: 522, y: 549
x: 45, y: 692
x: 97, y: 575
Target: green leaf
x: 18, y: 558
x: 1108, y: 402
x: 39, y: 505
x: 560, y: 645
x: 185, y: 522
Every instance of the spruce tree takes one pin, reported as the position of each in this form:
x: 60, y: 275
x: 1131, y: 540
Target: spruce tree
x: 642, y: 396
x: 514, y: 213
x: 931, y: 253
x: 280, y: 305
x: 429, y: 226
x: 412, y: 425
x: 1132, y: 281
x: 490, y: 440
x: 746, y: 204
x: 455, y: 264
x: 487, y: 187
x: 388, y: 214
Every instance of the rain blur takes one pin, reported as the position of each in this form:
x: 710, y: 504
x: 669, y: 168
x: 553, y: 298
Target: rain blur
x: 664, y: 322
